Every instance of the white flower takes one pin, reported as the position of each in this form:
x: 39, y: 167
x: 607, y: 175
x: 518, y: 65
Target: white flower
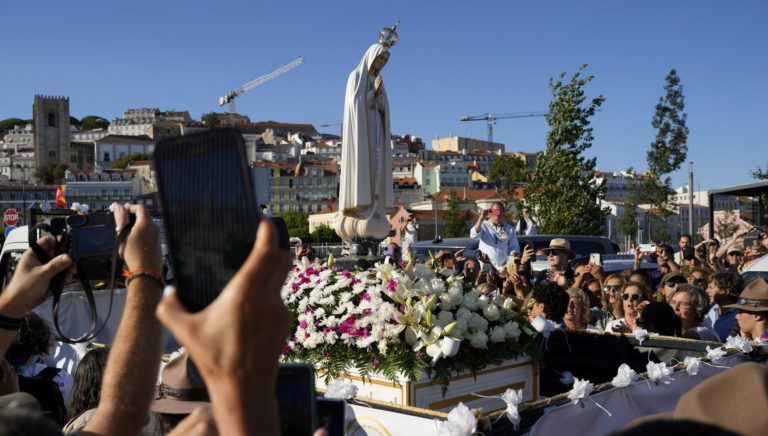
x: 513, y: 399
x: 423, y: 272
x: 470, y: 300
x: 460, y: 328
x: 461, y: 422
x: 738, y: 343
x: 692, y: 365
x: 483, y: 302
x: 464, y: 313
x: 445, y: 317
x: 438, y: 286
x: 478, y: 323
x: 512, y: 330
x: 714, y: 355
x: 658, y: 372
x: 581, y: 390
x: 341, y: 388
x: 492, y: 313
x: 449, y: 346
x: 624, y: 377
x: 433, y: 350
x: 479, y: 340
x: 640, y: 334
x: 498, y: 334
x: 447, y: 272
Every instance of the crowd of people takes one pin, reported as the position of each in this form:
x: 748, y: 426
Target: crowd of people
x: 230, y: 387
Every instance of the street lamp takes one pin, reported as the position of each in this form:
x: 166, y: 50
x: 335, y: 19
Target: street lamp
x: 23, y: 190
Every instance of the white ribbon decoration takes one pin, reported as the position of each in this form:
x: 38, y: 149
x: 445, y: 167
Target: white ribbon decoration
x: 738, y: 343
x: 461, y: 422
x: 512, y: 399
x: 715, y: 355
x: 658, y: 372
x: 692, y: 365
x: 581, y: 390
x: 341, y: 389
x: 625, y: 376
x: 640, y: 334
x: 84, y: 208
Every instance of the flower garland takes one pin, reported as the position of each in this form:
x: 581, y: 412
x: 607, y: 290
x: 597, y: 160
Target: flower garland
x: 399, y: 322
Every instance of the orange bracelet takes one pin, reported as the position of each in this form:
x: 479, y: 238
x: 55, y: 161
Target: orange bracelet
x: 156, y: 277
x: 154, y: 272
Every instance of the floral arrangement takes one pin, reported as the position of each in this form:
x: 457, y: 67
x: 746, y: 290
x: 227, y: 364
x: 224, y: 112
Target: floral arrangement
x: 399, y: 322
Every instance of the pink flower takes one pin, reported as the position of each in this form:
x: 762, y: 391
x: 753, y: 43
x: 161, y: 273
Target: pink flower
x: 295, y: 286
x: 366, y: 297
x: 376, y: 363
x: 392, y: 285
x: 345, y: 274
x: 356, y: 281
x: 303, y: 324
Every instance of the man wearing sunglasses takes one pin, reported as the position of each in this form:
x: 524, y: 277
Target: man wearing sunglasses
x: 669, y: 282
x: 753, y: 311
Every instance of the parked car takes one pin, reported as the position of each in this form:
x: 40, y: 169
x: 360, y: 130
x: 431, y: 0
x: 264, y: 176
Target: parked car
x: 757, y: 269
x: 582, y: 245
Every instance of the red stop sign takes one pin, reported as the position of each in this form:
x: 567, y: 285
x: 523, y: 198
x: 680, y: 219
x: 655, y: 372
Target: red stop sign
x: 10, y: 217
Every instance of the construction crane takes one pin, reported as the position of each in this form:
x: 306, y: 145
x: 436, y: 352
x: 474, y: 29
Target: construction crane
x: 491, y: 119
x: 231, y: 95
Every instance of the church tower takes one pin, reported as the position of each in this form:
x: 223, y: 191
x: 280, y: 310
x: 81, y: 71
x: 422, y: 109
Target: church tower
x: 51, y: 121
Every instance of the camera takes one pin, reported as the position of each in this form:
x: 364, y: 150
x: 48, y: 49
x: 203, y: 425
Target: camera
x: 89, y: 239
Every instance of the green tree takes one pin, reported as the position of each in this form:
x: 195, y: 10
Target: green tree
x: 7, y: 124
x: 562, y: 191
x: 761, y: 174
x: 626, y: 223
x: 323, y: 233
x: 455, y: 226
x: 129, y: 159
x: 51, y: 172
x: 92, y: 122
x: 210, y: 120
x: 297, y: 224
x: 668, y: 149
x: 506, y: 170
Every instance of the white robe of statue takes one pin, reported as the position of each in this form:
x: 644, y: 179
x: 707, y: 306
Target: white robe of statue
x: 366, y: 156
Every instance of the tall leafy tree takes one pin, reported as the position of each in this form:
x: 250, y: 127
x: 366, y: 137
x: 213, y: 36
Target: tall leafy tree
x: 455, y: 225
x: 626, y: 223
x: 210, y: 120
x: 92, y: 122
x: 761, y: 174
x: 129, y: 159
x: 506, y: 170
x: 562, y: 191
x: 51, y: 172
x: 668, y: 149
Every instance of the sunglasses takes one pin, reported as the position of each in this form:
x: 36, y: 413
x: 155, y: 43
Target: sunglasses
x: 555, y: 253
x: 633, y: 297
x: 611, y: 288
x: 673, y: 283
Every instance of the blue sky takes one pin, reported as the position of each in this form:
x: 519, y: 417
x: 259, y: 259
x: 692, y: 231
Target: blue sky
x: 453, y: 59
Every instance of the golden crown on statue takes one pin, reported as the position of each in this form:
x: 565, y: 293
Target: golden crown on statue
x: 388, y: 36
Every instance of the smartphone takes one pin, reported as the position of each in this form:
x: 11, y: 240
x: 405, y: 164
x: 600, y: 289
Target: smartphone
x: 596, y: 259
x: 332, y: 415
x: 296, y: 399
x: 209, y: 210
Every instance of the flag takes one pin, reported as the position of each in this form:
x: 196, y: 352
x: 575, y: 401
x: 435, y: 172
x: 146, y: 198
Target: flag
x: 61, y: 201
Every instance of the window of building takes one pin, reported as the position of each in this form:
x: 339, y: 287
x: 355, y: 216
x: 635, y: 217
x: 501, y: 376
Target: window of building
x: 103, y: 193
x: 115, y: 193
x: 106, y: 156
x: 51, y: 120
x: 52, y: 153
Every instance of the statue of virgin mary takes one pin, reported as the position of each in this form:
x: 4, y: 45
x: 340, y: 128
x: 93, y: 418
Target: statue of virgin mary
x: 366, y: 153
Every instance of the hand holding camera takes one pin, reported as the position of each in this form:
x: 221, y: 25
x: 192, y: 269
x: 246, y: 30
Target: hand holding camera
x: 141, y: 249
x: 31, y: 281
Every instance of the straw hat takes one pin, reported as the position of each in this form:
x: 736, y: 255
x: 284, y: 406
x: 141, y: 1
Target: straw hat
x: 562, y: 245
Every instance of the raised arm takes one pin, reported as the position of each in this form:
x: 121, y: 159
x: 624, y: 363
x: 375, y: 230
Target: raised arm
x: 131, y: 371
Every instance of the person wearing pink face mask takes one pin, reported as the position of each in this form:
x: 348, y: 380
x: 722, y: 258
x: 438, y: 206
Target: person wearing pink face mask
x: 497, y: 238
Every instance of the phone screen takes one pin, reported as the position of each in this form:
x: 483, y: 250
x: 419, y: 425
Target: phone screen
x: 209, y: 211
x: 331, y: 414
x: 296, y: 399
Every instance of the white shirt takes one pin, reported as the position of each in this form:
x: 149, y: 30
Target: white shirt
x: 532, y: 227
x: 496, y: 242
